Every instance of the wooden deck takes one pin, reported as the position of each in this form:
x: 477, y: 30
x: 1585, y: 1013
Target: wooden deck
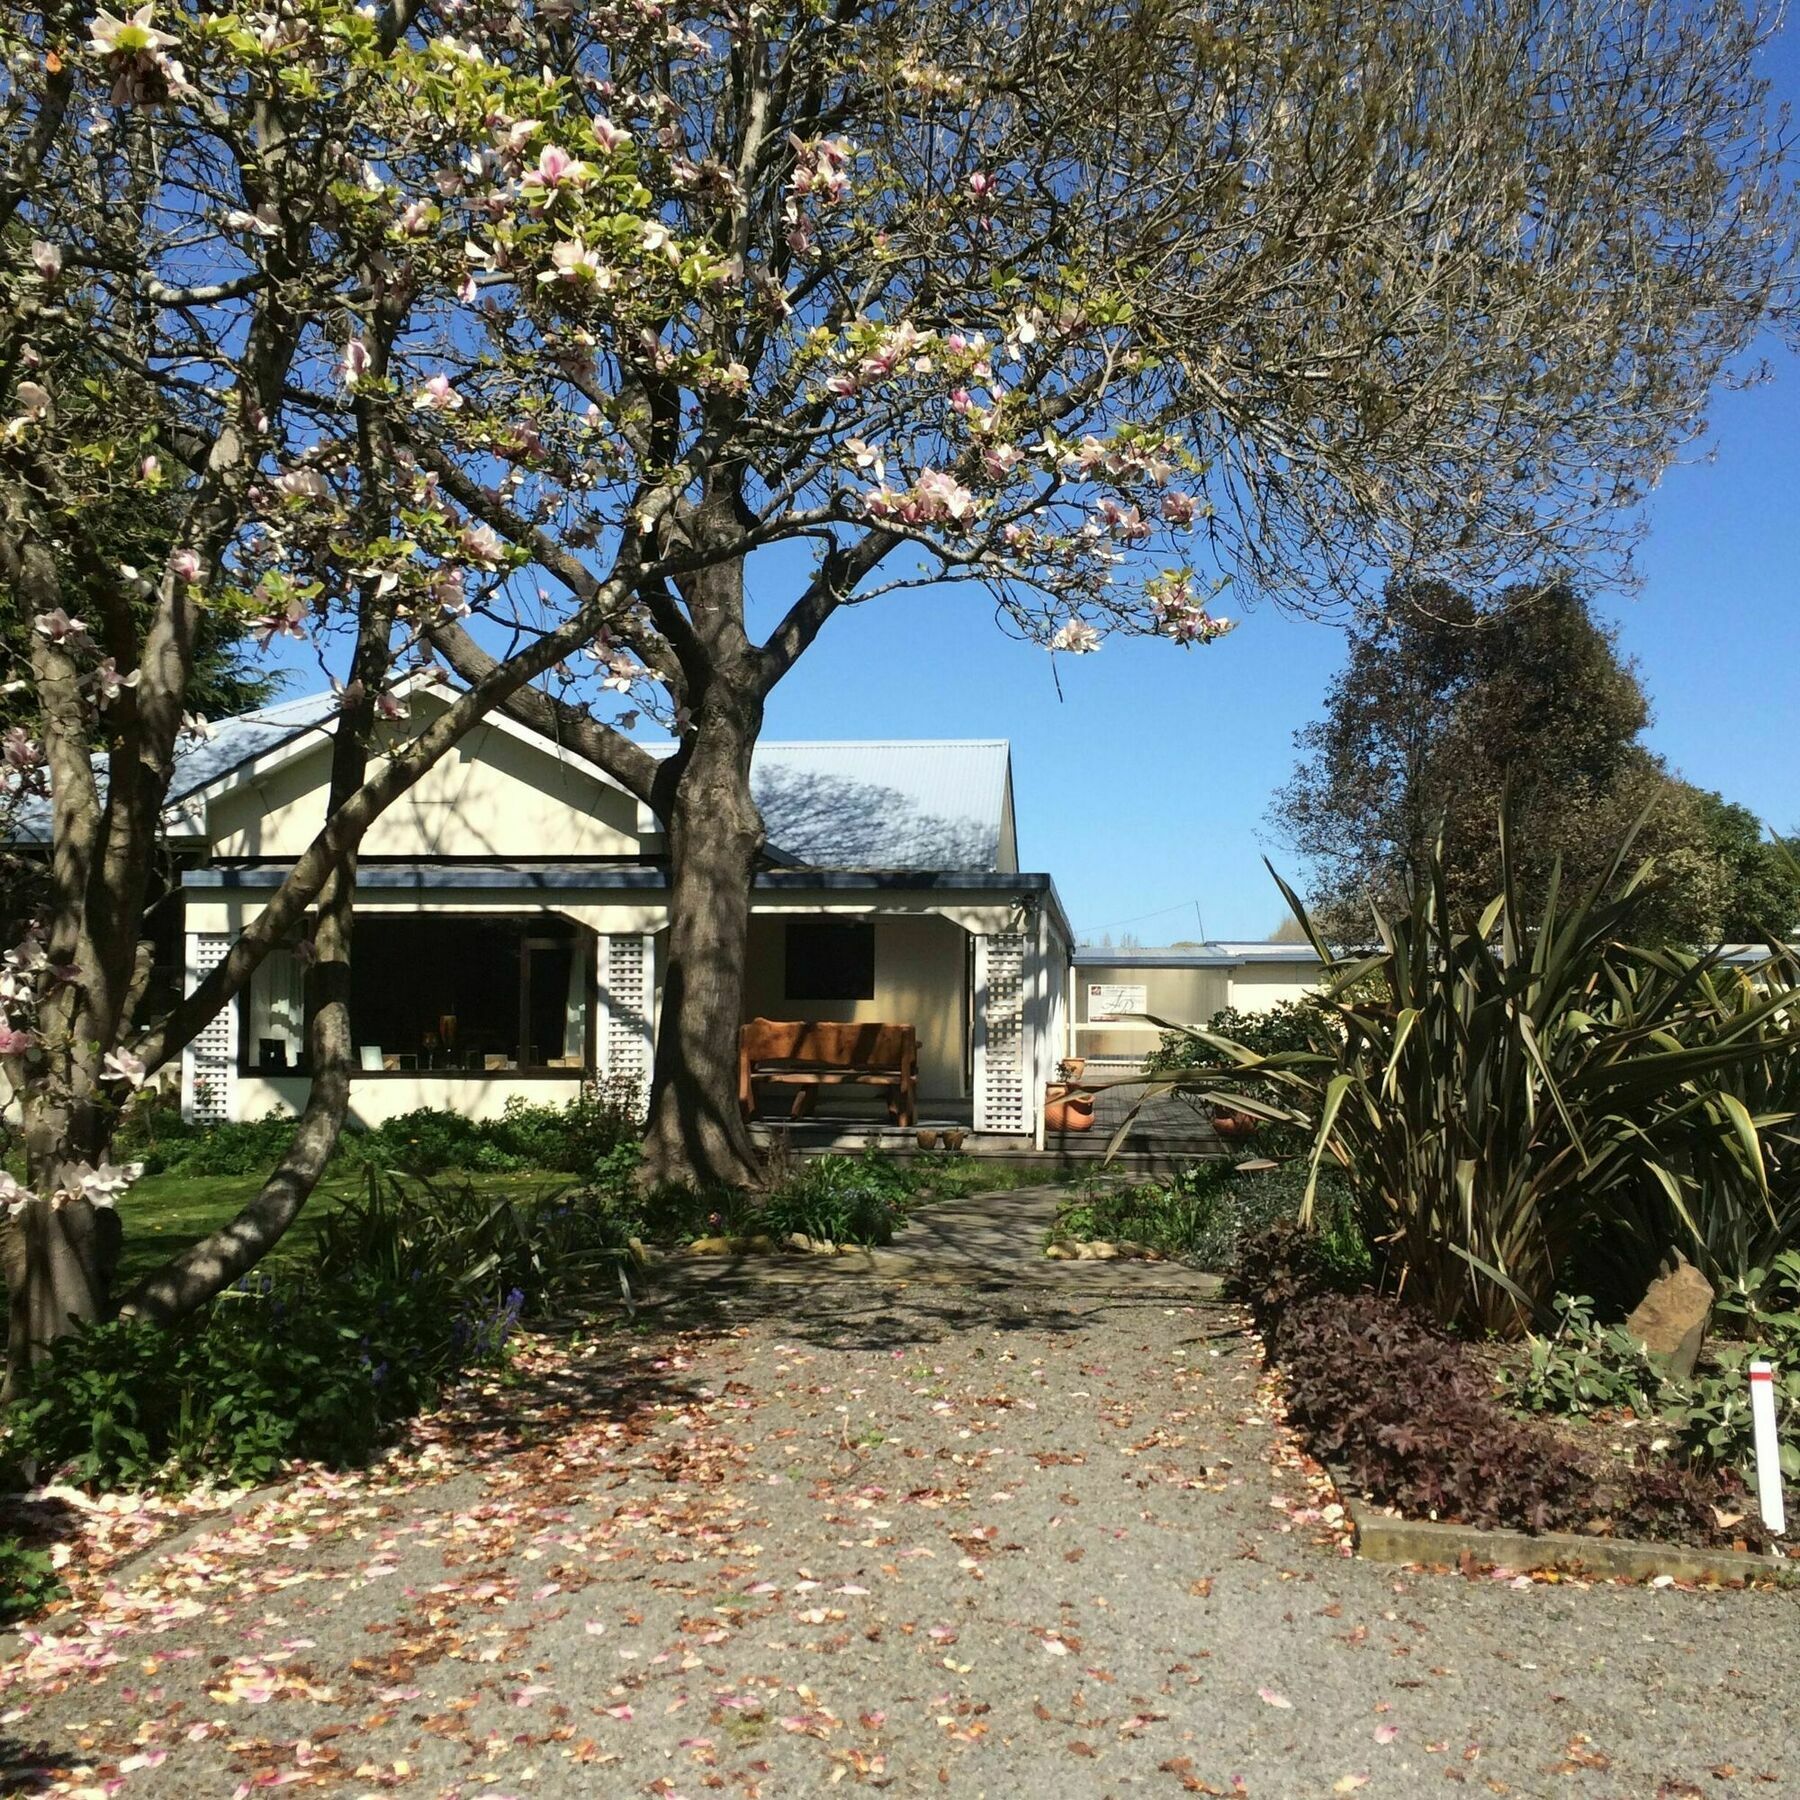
x: 1166, y: 1133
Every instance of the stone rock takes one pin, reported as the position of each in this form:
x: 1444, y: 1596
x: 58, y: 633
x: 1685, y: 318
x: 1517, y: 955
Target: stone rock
x: 1671, y: 1319
x: 1061, y: 1250
x: 1099, y: 1250
x: 824, y: 1247
x: 732, y: 1246
x: 798, y: 1240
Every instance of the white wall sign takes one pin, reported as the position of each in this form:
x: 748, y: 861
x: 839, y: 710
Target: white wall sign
x: 1113, y: 1000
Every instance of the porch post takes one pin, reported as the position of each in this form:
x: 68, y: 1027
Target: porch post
x: 627, y: 964
x: 209, y: 1063
x: 1002, y: 1059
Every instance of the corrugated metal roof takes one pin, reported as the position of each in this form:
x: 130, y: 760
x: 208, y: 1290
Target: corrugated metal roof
x: 1211, y: 955
x: 243, y: 739
x: 895, y: 805
x: 200, y: 761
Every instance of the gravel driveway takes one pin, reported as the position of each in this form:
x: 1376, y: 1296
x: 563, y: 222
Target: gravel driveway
x: 928, y: 1539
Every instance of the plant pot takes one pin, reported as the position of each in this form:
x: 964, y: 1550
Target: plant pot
x: 1071, y: 1068
x: 928, y: 1140
x: 1235, y: 1124
x: 953, y: 1140
x: 1064, y: 1111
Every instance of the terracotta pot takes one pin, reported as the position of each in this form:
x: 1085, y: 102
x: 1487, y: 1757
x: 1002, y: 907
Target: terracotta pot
x: 928, y: 1140
x: 1235, y: 1124
x: 1064, y: 1111
x: 953, y: 1140
x: 1071, y: 1067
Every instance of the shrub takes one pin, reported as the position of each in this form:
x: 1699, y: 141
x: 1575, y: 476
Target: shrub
x: 573, y: 1138
x: 234, y: 1393
x: 156, y: 1135
x: 1492, y: 1087
x: 411, y: 1282
x: 1410, y: 1417
x: 28, y: 1580
x: 1204, y: 1212
x: 1583, y: 1367
x: 848, y: 1200
x: 1282, y: 1265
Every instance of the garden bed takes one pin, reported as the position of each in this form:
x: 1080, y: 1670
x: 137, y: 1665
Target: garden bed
x: 1409, y: 1419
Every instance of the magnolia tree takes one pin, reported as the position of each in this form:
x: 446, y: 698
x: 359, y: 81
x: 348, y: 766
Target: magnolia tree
x: 194, y: 222
x: 1098, y: 306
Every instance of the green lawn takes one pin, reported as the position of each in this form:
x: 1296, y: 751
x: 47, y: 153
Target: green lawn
x: 165, y: 1213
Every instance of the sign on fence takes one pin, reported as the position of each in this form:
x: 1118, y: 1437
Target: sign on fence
x: 1117, y: 1000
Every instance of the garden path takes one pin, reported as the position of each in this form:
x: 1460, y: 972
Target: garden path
x: 1002, y: 1541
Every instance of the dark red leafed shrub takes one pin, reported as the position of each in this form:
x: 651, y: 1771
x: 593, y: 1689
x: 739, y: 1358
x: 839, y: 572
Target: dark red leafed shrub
x: 1682, y: 1503
x: 1278, y: 1267
x: 1409, y: 1417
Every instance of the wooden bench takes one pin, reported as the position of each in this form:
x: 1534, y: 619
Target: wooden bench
x: 808, y: 1054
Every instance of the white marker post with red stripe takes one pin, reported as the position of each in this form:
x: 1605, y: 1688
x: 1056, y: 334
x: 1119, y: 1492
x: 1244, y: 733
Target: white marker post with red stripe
x: 1768, y: 1447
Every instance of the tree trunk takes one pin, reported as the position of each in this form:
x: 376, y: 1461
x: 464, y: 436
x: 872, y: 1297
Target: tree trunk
x: 207, y: 1268
x: 696, y: 1136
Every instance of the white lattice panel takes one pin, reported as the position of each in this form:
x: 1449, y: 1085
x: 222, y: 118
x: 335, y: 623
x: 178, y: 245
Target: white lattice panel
x: 1001, y: 1101
x: 209, y: 1064
x: 628, y: 978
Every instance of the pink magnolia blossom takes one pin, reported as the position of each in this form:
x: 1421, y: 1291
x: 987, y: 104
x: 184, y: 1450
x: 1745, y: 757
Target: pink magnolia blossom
x: 574, y: 262
x: 184, y: 565
x: 102, y: 1186
x: 981, y: 184
x: 128, y: 37
x: 59, y: 628
x: 390, y: 705
x: 999, y: 460
x: 34, y: 399
x: 150, y: 468
x: 14, y: 1041
x: 941, y: 496
x: 1179, y: 509
x: 415, y: 218
x: 122, y: 1065
x: 15, y: 1196
x: 355, y: 363
x: 285, y: 622
x: 109, y: 684
x: 447, y: 591
x: 1077, y: 637
x: 608, y: 135
x: 303, y: 484
x: 437, y: 395
x: 556, y: 169
x: 482, y: 544
x: 20, y: 750
x: 46, y: 259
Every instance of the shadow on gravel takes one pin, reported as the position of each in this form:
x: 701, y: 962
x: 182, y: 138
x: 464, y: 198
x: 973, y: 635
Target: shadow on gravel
x: 32, y: 1768
x: 862, y: 1315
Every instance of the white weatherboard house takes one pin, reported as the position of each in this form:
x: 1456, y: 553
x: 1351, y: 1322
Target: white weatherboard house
x: 512, y: 911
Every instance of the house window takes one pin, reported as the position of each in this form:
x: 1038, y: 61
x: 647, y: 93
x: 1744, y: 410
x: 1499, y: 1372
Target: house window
x: 830, y: 959
x: 442, y: 994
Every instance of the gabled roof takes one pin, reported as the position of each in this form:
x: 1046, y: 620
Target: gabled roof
x: 893, y: 805
x: 202, y: 760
